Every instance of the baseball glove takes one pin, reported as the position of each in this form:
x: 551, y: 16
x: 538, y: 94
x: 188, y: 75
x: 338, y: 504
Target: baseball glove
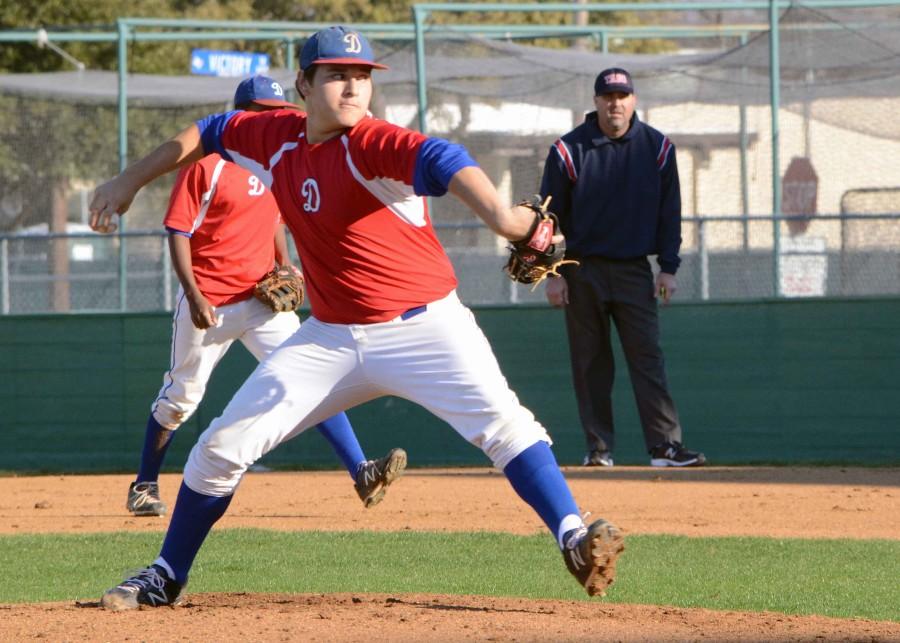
x: 535, y: 258
x: 281, y: 289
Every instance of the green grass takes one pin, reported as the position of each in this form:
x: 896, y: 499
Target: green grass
x: 841, y: 578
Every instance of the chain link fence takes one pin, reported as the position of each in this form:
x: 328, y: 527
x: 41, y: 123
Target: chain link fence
x: 837, y: 233
x: 723, y: 258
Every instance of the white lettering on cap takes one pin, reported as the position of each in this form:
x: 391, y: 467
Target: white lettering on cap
x: 354, y: 46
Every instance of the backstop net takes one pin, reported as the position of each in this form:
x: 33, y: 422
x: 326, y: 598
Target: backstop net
x: 507, y: 101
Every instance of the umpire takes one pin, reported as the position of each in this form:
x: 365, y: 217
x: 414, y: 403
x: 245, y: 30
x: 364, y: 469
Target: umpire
x: 614, y: 183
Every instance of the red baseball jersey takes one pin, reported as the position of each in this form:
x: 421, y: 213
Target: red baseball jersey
x: 365, y: 239
x: 230, y: 217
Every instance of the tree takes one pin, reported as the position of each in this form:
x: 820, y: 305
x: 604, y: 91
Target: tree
x: 69, y: 15
x: 400, y: 11
x: 100, y: 16
x: 172, y: 57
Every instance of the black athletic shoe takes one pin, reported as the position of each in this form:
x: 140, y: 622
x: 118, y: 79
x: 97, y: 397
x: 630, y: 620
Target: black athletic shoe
x: 673, y: 454
x: 598, y: 458
x: 144, y: 500
x: 591, y: 554
x: 151, y: 587
x: 375, y: 476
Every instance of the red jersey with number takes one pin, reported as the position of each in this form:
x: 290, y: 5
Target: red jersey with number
x: 231, y: 218
x: 366, y: 242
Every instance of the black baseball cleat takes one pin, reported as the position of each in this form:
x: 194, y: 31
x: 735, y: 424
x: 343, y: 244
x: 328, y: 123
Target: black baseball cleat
x: 673, y: 454
x: 591, y: 553
x: 375, y: 476
x: 144, y: 500
x: 151, y: 587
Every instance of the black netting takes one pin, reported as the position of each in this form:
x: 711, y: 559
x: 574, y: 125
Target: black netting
x: 507, y: 102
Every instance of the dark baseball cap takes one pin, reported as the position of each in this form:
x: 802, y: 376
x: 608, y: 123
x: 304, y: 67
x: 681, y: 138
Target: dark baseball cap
x: 614, y: 79
x: 260, y: 90
x: 338, y: 46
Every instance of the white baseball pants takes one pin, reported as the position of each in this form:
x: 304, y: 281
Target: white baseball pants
x: 196, y: 352
x: 438, y: 358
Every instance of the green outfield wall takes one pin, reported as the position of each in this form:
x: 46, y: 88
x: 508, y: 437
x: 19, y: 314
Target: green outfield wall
x: 789, y: 381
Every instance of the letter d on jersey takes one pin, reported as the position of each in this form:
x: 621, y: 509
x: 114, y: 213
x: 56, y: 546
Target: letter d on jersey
x: 310, y: 192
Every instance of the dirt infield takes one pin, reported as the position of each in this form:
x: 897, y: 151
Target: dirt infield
x: 776, y: 502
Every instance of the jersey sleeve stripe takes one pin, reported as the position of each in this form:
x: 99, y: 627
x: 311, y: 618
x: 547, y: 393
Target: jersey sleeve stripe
x: 208, y: 195
x: 397, y: 196
x: 257, y: 168
x: 663, y: 155
x: 566, y: 157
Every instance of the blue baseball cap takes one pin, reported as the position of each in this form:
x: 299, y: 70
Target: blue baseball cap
x: 260, y: 90
x: 337, y: 46
x: 614, y: 79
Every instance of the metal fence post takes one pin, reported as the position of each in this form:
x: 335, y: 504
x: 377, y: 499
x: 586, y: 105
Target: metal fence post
x: 745, y: 143
x: 704, y: 260
x: 123, y: 157
x: 4, y: 276
x: 289, y: 53
x: 774, y: 88
x: 167, y: 277
x: 419, y: 20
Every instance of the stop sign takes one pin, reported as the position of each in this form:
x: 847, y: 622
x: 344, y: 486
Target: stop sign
x: 799, y: 189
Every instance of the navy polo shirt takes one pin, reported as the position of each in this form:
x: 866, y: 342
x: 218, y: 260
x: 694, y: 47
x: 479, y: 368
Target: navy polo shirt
x: 616, y: 198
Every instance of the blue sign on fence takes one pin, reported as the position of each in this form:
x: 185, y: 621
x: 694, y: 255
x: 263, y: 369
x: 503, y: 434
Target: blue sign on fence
x: 208, y: 62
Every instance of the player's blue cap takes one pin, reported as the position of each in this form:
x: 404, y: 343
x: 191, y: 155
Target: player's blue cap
x: 614, y: 79
x: 338, y: 46
x: 260, y: 90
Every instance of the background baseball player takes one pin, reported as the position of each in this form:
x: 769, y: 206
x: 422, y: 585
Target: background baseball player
x: 385, y: 316
x: 222, y: 221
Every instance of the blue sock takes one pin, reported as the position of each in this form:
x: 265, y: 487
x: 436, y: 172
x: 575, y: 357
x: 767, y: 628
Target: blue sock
x: 536, y: 477
x: 156, y: 443
x: 340, y: 435
x: 193, y: 517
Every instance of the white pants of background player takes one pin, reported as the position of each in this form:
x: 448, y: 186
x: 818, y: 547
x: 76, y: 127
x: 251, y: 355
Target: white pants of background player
x: 196, y: 352
x: 438, y: 358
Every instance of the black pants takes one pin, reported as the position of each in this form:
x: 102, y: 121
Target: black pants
x: 600, y: 291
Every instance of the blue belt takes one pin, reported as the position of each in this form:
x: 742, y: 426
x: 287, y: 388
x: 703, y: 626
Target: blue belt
x: 412, y: 312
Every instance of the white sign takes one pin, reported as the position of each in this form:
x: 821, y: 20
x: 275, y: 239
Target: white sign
x: 235, y: 64
x: 803, y: 266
